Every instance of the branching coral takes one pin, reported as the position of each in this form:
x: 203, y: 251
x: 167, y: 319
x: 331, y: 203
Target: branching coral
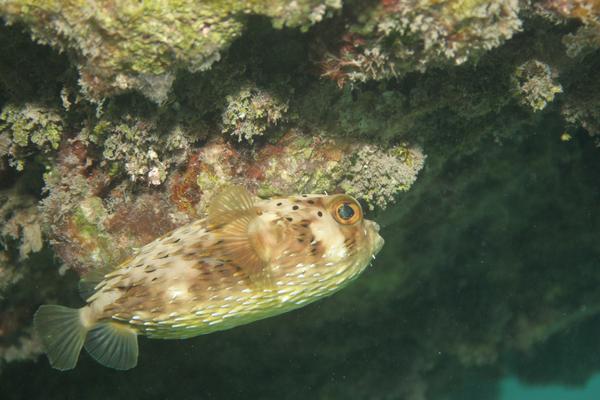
x: 377, y: 175
x: 20, y: 222
x: 585, y: 41
x: 535, y: 84
x: 584, y: 10
x: 8, y: 274
x: 583, y: 110
x: 400, y: 36
x: 252, y: 111
x: 26, y: 126
x: 27, y: 348
x: 587, y: 37
x: 138, y: 147
x: 20, y: 237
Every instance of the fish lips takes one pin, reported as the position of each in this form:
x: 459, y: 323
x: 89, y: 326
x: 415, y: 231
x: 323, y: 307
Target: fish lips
x: 375, y: 240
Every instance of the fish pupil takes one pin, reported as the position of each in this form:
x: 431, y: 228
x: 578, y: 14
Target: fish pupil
x: 345, y: 211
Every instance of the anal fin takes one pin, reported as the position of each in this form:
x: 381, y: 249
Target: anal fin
x: 113, y: 345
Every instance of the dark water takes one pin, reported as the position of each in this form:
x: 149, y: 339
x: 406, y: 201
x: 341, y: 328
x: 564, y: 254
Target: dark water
x: 487, y: 289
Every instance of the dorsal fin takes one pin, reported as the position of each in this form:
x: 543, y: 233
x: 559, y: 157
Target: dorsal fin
x: 230, y: 203
x: 89, y: 281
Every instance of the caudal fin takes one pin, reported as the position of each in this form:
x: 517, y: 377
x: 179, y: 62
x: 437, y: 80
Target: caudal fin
x: 62, y: 334
x: 113, y: 345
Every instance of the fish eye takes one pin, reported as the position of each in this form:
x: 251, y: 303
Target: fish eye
x: 347, y: 211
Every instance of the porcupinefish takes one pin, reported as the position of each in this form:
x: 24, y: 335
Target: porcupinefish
x: 248, y: 259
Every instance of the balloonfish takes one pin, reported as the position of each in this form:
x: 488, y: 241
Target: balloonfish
x: 249, y: 259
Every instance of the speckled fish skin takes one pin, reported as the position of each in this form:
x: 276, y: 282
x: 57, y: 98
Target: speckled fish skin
x: 248, y: 259
x: 194, y: 280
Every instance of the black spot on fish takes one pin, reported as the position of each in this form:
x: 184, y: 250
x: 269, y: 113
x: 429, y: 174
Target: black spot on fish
x: 310, y: 201
x: 278, y: 204
x: 290, y: 219
x: 320, y: 214
x: 295, y: 208
x: 155, y: 278
x: 314, y: 247
x: 350, y: 243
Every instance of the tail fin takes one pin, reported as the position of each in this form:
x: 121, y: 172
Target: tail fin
x: 62, y: 334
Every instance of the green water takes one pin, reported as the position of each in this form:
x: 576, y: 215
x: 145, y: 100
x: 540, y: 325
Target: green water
x: 436, y: 317
x: 487, y: 287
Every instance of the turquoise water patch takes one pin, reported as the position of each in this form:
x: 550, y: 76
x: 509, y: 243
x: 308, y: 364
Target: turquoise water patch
x: 513, y: 389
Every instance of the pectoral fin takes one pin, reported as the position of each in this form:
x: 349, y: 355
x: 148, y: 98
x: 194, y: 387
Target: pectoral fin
x: 230, y: 214
x: 236, y: 243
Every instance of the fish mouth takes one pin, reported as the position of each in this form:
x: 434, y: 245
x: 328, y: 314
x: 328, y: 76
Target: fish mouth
x: 375, y: 239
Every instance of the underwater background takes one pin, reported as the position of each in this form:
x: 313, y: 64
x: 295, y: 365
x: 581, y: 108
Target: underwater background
x: 467, y: 129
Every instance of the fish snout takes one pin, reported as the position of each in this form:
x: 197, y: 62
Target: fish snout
x: 374, y: 238
x: 375, y: 226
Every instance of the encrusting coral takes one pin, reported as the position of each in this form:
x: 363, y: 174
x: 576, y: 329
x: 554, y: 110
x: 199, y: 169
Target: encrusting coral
x: 392, y: 38
x: 122, y: 45
x: 90, y: 218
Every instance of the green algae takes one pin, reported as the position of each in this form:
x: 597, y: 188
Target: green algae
x: 29, y: 125
x: 128, y: 45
